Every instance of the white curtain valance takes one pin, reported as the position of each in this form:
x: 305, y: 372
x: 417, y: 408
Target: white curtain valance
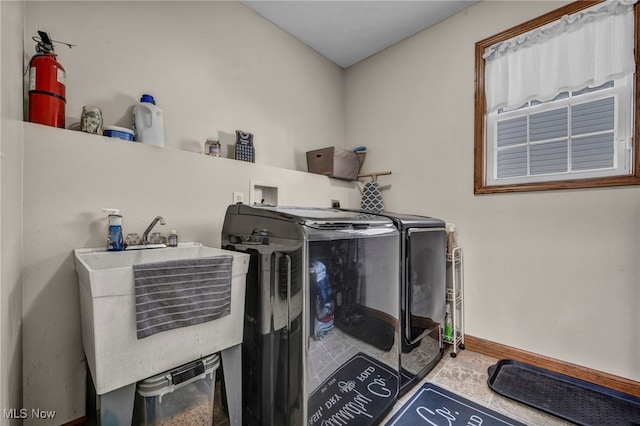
x: 589, y: 47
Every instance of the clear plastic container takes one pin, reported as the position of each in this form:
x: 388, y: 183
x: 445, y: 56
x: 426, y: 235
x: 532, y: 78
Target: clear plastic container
x: 183, y: 396
x: 212, y: 147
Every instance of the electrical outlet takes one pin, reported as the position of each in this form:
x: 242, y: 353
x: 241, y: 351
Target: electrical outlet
x: 238, y: 197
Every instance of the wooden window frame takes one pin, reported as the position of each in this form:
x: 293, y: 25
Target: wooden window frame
x: 479, y: 178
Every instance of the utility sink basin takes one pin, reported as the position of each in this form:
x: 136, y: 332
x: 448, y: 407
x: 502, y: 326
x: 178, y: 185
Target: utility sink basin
x: 115, y: 356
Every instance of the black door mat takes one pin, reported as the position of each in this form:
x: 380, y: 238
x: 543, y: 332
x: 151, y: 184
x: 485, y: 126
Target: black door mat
x: 432, y: 405
x: 359, y: 393
x: 571, y: 399
x: 368, y: 328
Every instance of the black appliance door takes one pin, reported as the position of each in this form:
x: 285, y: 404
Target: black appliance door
x: 426, y: 279
x: 352, y: 324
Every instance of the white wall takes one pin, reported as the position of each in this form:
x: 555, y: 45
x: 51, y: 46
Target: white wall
x: 213, y: 67
x: 556, y: 272
x: 11, y: 36
x: 69, y: 177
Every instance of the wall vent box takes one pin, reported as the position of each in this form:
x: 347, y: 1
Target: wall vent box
x: 334, y: 162
x: 263, y: 193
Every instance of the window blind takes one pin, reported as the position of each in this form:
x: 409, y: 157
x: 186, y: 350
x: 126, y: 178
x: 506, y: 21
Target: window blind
x: 576, y: 137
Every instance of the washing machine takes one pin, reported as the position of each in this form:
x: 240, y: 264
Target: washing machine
x: 322, y: 328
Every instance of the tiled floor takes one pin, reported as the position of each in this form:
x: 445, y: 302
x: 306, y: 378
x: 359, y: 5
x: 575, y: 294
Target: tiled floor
x: 465, y: 375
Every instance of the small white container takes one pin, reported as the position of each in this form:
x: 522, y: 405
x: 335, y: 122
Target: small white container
x: 118, y: 132
x: 148, y: 122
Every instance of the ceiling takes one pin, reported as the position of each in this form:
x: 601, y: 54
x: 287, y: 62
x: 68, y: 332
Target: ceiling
x: 347, y: 32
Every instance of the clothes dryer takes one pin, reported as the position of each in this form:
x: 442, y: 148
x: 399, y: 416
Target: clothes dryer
x: 423, y: 293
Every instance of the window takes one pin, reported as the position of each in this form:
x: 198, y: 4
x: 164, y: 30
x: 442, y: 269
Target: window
x: 530, y: 135
x: 580, y: 134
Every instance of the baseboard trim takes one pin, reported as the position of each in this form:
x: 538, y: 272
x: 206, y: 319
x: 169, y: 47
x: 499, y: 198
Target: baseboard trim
x: 497, y: 350
x: 81, y: 421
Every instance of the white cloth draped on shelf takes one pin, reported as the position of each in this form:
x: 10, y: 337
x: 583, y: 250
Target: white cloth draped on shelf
x: 587, y: 48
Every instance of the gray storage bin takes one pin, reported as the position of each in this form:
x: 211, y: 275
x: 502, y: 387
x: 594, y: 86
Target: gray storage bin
x: 335, y: 162
x: 182, y: 396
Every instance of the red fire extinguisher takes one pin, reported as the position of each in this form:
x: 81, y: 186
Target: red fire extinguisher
x: 47, y: 79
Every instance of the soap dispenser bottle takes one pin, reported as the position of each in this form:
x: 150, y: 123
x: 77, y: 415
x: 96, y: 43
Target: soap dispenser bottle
x: 114, y: 240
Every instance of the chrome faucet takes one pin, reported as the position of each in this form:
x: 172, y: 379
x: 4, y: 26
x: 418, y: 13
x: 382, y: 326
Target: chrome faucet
x: 145, y: 236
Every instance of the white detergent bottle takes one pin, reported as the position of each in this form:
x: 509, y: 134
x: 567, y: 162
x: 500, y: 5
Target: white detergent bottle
x: 148, y: 125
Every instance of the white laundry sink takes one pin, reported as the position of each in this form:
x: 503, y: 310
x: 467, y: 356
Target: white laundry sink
x: 115, y: 356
